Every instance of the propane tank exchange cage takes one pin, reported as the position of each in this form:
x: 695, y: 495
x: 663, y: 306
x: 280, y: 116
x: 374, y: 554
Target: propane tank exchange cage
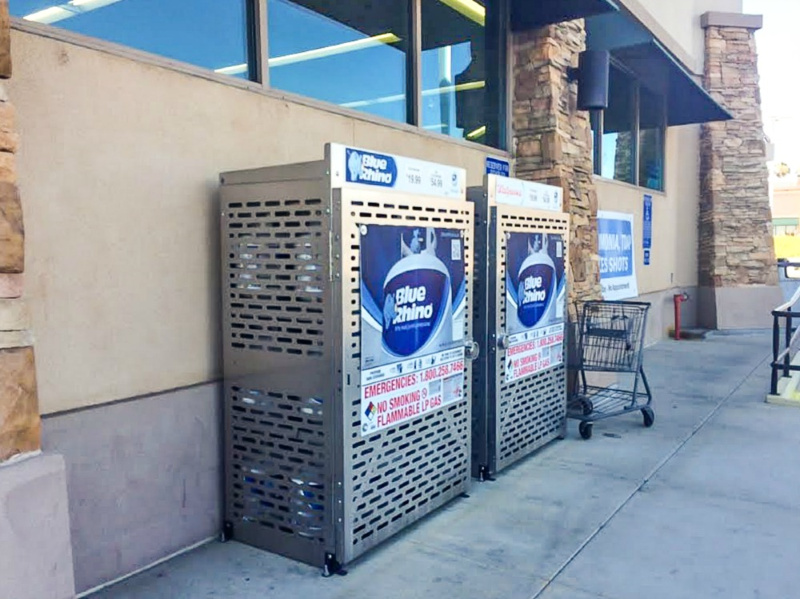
x: 302, y: 478
x: 520, y: 378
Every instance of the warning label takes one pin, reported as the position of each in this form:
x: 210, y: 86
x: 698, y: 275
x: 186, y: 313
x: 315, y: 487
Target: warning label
x: 432, y: 382
x: 533, y: 351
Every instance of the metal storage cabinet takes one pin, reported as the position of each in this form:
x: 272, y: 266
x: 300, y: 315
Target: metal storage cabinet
x: 513, y: 415
x: 300, y: 477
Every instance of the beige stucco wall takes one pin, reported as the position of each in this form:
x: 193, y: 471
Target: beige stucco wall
x: 673, y: 260
x: 680, y: 20
x: 118, y: 172
x: 675, y: 212
x: 786, y: 202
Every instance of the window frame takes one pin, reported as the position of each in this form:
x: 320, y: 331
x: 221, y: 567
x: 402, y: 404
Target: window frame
x: 596, y: 123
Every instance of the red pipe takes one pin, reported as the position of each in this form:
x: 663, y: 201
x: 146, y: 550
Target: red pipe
x: 678, y: 299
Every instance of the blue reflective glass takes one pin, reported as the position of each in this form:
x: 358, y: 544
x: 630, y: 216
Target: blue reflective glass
x: 652, y: 118
x: 350, y: 53
x: 618, y: 129
x: 206, y: 33
x: 454, y: 99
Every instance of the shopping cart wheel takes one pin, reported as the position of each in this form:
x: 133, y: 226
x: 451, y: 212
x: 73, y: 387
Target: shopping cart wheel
x: 585, y: 429
x: 649, y: 416
x: 587, y: 406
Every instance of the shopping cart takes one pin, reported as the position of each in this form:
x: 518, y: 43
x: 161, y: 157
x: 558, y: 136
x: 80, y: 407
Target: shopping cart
x: 610, y: 340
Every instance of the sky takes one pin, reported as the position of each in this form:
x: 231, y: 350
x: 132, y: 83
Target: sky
x: 778, y: 46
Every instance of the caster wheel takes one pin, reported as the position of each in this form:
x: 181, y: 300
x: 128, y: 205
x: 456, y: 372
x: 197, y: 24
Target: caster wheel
x: 227, y: 532
x: 585, y: 429
x: 649, y: 417
x: 587, y: 406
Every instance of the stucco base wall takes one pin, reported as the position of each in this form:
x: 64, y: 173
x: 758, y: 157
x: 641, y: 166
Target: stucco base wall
x: 738, y: 307
x: 35, y: 548
x: 144, y: 479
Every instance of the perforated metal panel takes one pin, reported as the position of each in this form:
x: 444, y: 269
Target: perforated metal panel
x: 300, y: 478
x: 276, y: 277
x: 398, y: 475
x: 520, y: 416
x: 277, y: 466
x: 531, y: 411
x: 277, y: 351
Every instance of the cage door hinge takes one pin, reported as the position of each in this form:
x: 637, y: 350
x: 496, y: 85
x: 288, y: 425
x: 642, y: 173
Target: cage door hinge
x: 331, y: 261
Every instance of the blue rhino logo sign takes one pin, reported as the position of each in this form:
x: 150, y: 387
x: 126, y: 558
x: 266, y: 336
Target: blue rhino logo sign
x: 536, y: 291
x: 417, y: 296
x: 369, y: 168
x: 354, y: 165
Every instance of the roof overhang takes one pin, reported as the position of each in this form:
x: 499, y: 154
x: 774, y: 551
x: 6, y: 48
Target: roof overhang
x: 530, y: 14
x: 637, y: 49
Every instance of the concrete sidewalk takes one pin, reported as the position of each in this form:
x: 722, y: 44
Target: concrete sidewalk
x: 704, y: 504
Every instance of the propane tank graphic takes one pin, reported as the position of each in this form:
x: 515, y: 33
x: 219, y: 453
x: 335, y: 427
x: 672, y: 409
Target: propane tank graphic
x: 418, y: 302
x: 537, y: 285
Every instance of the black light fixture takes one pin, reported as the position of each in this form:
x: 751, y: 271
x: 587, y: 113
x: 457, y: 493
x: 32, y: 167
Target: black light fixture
x: 592, y: 78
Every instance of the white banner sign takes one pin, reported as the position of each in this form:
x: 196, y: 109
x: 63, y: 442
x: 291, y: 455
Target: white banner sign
x: 354, y: 167
x: 526, y: 194
x: 615, y: 245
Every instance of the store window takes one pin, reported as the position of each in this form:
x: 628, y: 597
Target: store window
x: 206, y: 33
x: 629, y: 136
x: 784, y: 226
x: 353, y: 54
x: 617, y: 142
x: 652, y: 129
x: 363, y: 55
x: 460, y: 42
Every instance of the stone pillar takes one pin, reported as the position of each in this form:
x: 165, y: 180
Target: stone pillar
x: 737, y: 269
x: 34, y: 516
x: 553, y: 140
x: 19, y: 411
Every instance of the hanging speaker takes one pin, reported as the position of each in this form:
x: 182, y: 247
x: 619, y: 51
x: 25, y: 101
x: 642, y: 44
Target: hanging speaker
x: 592, y: 78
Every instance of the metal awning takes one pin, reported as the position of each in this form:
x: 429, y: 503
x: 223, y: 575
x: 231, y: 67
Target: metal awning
x: 655, y: 67
x: 530, y: 14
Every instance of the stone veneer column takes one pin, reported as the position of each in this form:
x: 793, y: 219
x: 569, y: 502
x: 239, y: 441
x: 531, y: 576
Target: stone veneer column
x: 737, y: 269
x: 553, y: 140
x: 35, y: 542
x: 19, y: 411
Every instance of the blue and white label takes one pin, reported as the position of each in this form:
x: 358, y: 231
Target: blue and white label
x: 370, y: 168
x: 536, y: 292
x: 413, y: 302
x: 615, y: 246
x: 356, y: 167
x: 535, y: 303
x: 647, y: 222
x: 497, y: 166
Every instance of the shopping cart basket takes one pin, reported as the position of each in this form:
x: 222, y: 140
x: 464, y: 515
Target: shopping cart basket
x: 610, y: 339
